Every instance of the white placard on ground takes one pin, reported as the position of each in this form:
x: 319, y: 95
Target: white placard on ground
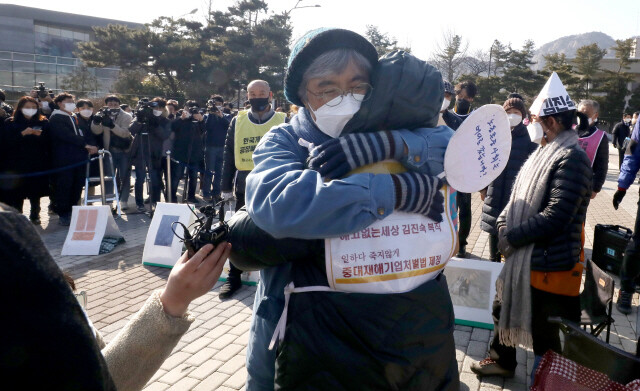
x: 479, y: 150
x: 472, y: 285
x: 89, y: 225
x: 162, y: 247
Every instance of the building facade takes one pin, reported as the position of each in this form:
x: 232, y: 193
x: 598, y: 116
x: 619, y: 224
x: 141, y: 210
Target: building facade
x: 38, y: 46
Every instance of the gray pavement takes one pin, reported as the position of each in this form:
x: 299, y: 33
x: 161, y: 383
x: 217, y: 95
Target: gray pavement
x: 211, y: 355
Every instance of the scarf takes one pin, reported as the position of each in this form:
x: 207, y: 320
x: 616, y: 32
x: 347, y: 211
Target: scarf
x: 513, y: 286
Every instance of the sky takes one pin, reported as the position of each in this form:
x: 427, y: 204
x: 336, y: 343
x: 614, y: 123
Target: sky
x: 419, y: 24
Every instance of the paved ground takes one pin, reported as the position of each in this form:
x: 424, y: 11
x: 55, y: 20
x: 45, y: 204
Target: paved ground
x: 211, y: 355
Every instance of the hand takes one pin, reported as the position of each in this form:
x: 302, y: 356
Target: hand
x: 27, y: 131
x: 504, y: 246
x: 33, y: 94
x: 336, y: 157
x: 419, y: 193
x: 593, y: 194
x: 617, y: 197
x: 108, y: 122
x: 192, y: 278
x: 92, y: 149
x: 483, y: 194
x: 47, y: 98
x: 198, y: 117
x: 226, y: 196
x: 218, y: 113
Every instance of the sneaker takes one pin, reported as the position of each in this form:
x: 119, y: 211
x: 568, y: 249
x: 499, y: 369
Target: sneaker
x: 489, y: 367
x: 229, y: 288
x: 624, y: 302
x: 64, y: 221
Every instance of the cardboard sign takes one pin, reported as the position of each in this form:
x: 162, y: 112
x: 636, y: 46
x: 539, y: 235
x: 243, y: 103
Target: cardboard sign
x: 89, y: 225
x: 472, y: 286
x: 162, y: 247
x: 393, y: 255
x: 552, y: 99
x: 479, y: 150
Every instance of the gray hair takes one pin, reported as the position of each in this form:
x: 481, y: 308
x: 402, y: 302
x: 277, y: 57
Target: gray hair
x: 331, y: 63
x: 595, y: 106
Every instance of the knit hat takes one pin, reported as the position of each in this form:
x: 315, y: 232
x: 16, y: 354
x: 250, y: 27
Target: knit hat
x: 515, y: 103
x: 315, y: 43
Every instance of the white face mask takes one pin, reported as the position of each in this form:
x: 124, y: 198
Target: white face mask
x: 86, y: 113
x: 514, y: 119
x: 69, y: 107
x: 331, y: 120
x: 29, y: 112
x: 219, y: 108
x: 591, y: 121
x: 157, y: 113
x: 536, y: 133
x: 445, y: 104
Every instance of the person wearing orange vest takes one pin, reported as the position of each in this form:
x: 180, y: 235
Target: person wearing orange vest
x: 245, y: 131
x: 595, y: 143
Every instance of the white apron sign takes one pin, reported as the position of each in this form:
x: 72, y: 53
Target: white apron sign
x: 479, y: 150
x: 89, y: 225
x: 393, y: 255
x: 162, y: 247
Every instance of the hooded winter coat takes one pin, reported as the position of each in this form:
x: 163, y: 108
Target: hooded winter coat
x: 350, y: 341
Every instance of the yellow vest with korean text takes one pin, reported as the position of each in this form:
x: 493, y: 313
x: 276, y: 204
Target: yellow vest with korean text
x: 248, y: 135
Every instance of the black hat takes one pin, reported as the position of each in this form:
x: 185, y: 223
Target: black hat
x: 315, y: 43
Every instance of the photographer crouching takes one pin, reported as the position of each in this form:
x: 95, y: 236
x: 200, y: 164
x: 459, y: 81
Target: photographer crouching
x: 149, y: 130
x: 188, y: 148
x: 113, y: 124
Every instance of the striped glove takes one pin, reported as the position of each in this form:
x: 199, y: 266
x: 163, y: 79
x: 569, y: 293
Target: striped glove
x: 336, y: 157
x: 419, y: 193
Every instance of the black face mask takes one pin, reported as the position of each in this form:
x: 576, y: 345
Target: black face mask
x: 259, y: 104
x: 462, y: 106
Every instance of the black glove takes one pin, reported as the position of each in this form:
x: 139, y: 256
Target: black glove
x: 504, y: 246
x: 97, y: 119
x: 108, y: 122
x: 617, y: 197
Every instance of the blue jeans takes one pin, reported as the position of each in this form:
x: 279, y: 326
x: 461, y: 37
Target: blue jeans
x: 212, y: 162
x: 267, y: 308
x: 122, y: 166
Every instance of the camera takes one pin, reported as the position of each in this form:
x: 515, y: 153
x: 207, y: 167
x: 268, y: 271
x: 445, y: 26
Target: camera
x: 204, y: 231
x: 211, y: 107
x: 144, y: 110
x: 103, y: 113
x: 42, y: 91
x: 196, y: 110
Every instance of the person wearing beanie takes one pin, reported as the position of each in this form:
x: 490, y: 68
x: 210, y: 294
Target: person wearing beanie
x: 497, y: 194
x: 326, y: 338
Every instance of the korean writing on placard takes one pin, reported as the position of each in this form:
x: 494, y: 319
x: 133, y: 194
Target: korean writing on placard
x: 557, y: 104
x: 394, y: 230
x: 381, y: 268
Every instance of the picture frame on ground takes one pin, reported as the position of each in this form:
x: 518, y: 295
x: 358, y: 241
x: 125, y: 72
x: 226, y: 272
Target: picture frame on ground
x: 472, y: 286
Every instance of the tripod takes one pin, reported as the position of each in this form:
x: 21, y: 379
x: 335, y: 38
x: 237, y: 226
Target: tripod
x: 148, y: 166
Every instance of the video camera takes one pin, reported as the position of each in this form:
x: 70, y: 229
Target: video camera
x: 196, y: 110
x: 204, y: 232
x: 104, y: 115
x: 144, y: 110
x: 211, y: 106
x: 42, y: 91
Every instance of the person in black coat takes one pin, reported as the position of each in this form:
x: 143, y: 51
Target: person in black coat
x: 188, y: 148
x: 69, y: 149
x: 620, y: 132
x: 25, y: 150
x: 496, y: 195
x: 149, y: 130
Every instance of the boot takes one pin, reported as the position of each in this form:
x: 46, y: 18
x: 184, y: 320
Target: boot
x: 624, y: 302
x: 229, y: 288
x: 489, y: 367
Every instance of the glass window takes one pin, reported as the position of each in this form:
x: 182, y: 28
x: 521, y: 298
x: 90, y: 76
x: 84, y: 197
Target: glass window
x: 5, y: 55
x: 66, y: 33
x: 47, y: 59
x: 66, y: 61
x: 23, y: 66
x: 22, y: 57
x: 38, y: 28
x: 5, y: 79
x: 65, y: 70
x: 45, y: 68
x: 78, y: 35
x: 5, y: 66
x: 54, y: 31
x: 48, y: 80
x: 24, y: 80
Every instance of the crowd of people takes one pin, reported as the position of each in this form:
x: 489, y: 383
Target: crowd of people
x: 296, y: 175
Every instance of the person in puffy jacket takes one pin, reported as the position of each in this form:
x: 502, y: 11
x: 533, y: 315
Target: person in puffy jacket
x: 540, y: 236
x: 496, y: 195
x: 364, y: 341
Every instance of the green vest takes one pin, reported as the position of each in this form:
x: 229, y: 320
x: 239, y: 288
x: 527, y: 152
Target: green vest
x: 248, y: 136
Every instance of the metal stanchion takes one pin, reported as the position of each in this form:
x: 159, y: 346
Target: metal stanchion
x: 169, y: 184
x: 103, y: 194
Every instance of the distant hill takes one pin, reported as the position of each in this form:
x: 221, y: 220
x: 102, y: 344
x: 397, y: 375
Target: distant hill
x: 569, y: 44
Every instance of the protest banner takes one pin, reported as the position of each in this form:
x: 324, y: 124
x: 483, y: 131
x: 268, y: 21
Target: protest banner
x: 89, y: 226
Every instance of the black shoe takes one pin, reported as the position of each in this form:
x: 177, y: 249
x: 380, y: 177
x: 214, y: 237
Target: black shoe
x: 141, y: 209
x: 462, y: 253
x: 229, y: 288
x: 489, y: 367
x: 624, y: 302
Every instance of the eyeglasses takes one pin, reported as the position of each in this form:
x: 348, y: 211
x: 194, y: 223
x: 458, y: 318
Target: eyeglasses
x: 361, y: 92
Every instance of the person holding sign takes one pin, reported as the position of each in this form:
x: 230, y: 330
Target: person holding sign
x: 540, y: 235
x: 372, y: 340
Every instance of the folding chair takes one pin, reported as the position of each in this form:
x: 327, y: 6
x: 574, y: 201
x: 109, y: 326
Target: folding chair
x: 596, y: 300
x: 589, y: 351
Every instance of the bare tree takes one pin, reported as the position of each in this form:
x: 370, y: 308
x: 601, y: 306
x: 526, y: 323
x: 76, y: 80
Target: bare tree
x: 450, y: 54
x: 477, y: 63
